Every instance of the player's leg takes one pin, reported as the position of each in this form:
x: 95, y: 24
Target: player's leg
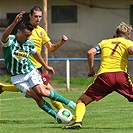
x: 95, y: 91
x: 28, y: 90
x: 47, y: 107
x: 1, y: 88
x: 56, y: 104
x: 54, y: 96
x: 46, y: 78
x: 35, y: 80
x: 41, y: 103
x: 5, y: 87
x: 80, y: 112
x: 125, y: 87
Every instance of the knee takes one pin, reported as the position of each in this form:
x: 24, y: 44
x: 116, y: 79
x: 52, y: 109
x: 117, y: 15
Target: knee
x: 44, y: 92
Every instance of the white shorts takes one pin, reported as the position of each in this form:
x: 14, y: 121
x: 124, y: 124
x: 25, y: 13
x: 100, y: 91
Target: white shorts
x: 27, y: 81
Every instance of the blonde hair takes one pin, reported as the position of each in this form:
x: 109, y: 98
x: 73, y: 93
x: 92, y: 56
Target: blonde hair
x: 123, y: 29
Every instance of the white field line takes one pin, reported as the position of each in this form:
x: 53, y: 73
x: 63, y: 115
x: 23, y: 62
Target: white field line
x: 9, y: 99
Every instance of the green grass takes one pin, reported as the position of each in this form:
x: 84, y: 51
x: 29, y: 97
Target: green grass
x: 5, y: 79
x: 113, y: 114
x: 59, y: 82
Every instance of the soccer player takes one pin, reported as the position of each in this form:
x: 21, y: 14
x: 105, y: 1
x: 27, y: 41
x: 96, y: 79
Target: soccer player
x: 24, y: 74
x: 39, y: 37
x: 112, y: 74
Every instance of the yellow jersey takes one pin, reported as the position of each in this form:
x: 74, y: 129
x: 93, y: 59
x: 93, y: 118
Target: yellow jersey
x: 39, y: 37
x: 114, y: 55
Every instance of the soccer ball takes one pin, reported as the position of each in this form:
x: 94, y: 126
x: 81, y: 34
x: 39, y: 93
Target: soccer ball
x: 64, y: 116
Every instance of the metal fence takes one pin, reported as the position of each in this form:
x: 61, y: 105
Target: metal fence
x: 68, y: 66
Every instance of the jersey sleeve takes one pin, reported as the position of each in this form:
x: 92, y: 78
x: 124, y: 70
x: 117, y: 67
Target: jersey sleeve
x: 98, y: 49
x: 8, y: 42
x: 45, y: 37
x: 130, y: 43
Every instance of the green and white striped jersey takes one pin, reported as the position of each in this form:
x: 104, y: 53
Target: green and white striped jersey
x: 16, y: 55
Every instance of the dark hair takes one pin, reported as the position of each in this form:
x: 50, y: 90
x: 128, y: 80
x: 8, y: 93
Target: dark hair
x: 35, y: 8
x: 25, y: 25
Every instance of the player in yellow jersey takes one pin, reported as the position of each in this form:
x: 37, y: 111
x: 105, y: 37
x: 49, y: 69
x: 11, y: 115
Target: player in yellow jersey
x: 39, y: 37
x: 112, y: 74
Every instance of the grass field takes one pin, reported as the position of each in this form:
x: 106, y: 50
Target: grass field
x: 113, y: 114
x: 20, y: 115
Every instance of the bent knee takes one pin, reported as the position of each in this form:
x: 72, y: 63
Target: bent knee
x: 44, y: 92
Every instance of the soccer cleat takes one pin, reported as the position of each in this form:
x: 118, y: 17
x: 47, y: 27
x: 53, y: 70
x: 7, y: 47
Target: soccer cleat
x: 72, y: 105
x: 58, y: 121
x: 74, y: 125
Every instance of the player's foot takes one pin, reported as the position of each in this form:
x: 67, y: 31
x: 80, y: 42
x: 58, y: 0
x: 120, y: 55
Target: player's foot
x: 1, y: 85
x: 58, y: 121
x: 73, y: 118
x: 72, y: 105
x: 74, y: 125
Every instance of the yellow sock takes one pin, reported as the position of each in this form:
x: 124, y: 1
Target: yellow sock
x: 10, y: 87
x: 80, y: 111
x: 57, y: 104
x: 73, y: 118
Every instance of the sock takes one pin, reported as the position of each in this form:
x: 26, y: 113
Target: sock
x: 57, y: 97
x: 9, y: 87
x: 47, y: 108
x: 80, y: 111
x: 57, y: 104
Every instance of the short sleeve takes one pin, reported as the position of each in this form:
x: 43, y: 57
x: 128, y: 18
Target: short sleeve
x: 45, y: 37
x: 9, y: 41
x: 98, y: 49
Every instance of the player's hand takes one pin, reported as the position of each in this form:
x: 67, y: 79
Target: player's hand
x: 19, y: 17
x: 91, y: 73
x: 64, y: 39
x: 50, y: 70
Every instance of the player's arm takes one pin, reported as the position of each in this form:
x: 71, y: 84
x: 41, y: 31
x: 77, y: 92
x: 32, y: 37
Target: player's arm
x: 90, y: 57
x: 130, y: 50
x: 38, y: 57
x: 52, y: 47
x: 9, y: 29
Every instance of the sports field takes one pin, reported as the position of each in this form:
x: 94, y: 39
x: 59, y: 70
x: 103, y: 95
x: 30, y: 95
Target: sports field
x: 113, y: 114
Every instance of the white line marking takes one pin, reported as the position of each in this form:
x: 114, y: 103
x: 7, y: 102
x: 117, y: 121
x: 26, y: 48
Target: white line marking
x: 9, y: 99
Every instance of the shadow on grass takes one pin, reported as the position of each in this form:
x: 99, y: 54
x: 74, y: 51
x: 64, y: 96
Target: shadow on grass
x: 23, y: 122
x: 56, y: 125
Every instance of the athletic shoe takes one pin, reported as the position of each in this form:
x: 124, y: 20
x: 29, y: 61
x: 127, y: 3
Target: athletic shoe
x: 58, y: 121
x: 74, y: 125
x: 72, y: 105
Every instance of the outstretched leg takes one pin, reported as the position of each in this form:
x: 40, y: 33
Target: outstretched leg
x: 82, y: 102
x: 56, y: 104
x: 54, y: 96
x: 5, y: 87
